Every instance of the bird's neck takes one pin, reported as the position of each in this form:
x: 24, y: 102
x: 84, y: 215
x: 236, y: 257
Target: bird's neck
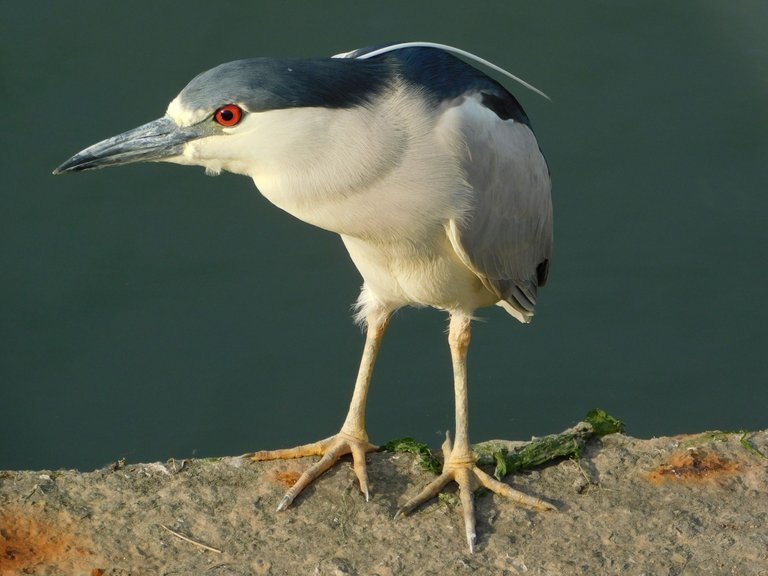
x: 330, y: 167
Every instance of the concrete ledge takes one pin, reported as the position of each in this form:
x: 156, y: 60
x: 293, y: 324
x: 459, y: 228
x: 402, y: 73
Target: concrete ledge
x: 687, y: 505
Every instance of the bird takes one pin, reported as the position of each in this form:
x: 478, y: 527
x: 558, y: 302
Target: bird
x: 426, y: 167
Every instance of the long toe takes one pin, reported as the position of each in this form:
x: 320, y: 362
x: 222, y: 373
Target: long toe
x: 314, y: 449
x: 330, y: 450
x: 468, y: 476
x: 507, y: 491
x: 361, y: 468
x: 427, y: 493
x: 466, y: 482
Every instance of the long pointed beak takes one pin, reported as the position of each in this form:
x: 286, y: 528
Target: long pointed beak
x: 157, y: 140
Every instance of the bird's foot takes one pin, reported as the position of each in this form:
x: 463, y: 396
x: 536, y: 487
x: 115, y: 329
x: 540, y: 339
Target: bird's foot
x: 461, y: 468
x: 330, y: 450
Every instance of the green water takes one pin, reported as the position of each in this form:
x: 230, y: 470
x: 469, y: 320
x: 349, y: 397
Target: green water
x: 151, y: 312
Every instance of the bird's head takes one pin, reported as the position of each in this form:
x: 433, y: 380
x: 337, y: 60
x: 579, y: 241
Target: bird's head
x: 238, y: 114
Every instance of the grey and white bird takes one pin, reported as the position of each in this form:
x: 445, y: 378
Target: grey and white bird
x: 425, y: 166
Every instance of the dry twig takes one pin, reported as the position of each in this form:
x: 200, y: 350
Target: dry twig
x: 190, y: 540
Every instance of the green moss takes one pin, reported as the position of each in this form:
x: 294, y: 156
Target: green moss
x: 723, y: 436
x: 603, y: 423
x: 745, y: 443
x: 427, y: 459
x: 539, y: 451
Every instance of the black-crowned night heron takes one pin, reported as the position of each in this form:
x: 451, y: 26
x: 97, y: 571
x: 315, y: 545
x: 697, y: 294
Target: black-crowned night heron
x: 426, y: 167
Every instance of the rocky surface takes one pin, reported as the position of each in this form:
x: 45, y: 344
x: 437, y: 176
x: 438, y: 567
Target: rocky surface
x: 687, y: 505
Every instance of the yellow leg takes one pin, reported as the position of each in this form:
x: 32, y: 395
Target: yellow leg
x: 352, y: 439
x: 459, y: 464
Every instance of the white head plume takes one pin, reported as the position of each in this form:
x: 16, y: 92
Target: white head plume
x: 451, y: 49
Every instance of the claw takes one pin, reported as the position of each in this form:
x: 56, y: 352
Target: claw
x: 471, y: 539
x: 465, y: 479
x: 467, y: 475
x: 284, y: 503
x: 330, y: 450
x: 361, y: 470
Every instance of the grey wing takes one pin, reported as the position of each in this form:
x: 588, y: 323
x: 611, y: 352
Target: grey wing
x: 506, y: 235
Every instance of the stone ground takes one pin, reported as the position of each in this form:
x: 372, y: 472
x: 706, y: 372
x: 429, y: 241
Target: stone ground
x: 693, y: 505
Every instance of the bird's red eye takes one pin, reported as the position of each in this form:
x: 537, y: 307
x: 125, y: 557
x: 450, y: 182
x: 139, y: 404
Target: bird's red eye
x: 228, y: 115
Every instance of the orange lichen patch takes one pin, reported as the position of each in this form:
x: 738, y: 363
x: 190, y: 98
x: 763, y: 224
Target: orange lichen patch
x: 97, y: 572
x: 286, y: 478
x: 30, y: 540
x: 692, y: 466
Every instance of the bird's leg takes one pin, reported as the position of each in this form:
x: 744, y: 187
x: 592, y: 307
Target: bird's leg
x: 352, y: 438
x: 459, y: 463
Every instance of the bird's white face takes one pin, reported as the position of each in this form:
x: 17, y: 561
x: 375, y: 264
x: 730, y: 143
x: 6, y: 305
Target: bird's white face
x: 261, y: 145
x: 183, y: 116
x: 225, y: 138
x: 309, y: 161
